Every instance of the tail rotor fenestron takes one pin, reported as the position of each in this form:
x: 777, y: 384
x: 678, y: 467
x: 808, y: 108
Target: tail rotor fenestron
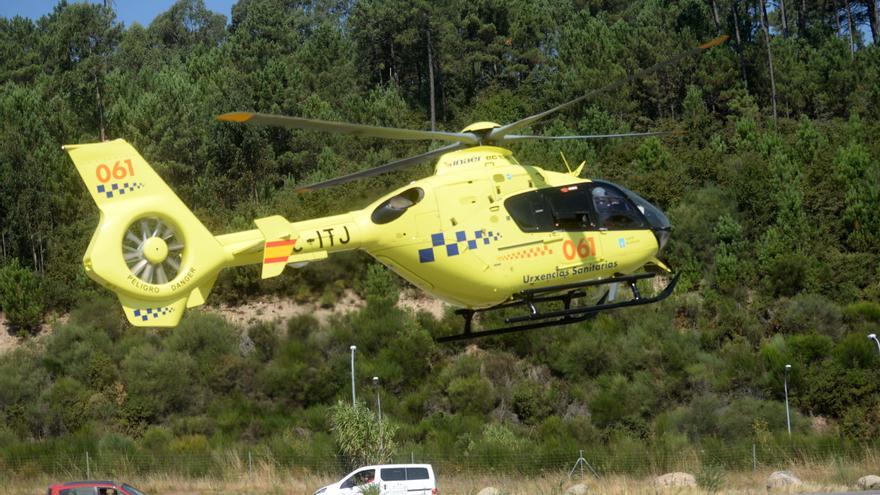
x: 152, y: 250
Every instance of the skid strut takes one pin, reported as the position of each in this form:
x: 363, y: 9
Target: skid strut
x: 566, y: 293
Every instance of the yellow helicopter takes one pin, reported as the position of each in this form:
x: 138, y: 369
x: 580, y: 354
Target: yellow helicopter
x: 483, y: 233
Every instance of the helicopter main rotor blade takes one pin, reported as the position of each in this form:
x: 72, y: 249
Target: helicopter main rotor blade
x: 346, y: 128
x: 388, y: 167
x: 521, y: 137
x: 499, y: 132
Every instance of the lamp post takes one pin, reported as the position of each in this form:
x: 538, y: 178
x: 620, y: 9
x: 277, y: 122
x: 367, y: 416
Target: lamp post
x: 873, y: 336
x: 787, y: 415
x: 378, y: 401
x: 353, y: 397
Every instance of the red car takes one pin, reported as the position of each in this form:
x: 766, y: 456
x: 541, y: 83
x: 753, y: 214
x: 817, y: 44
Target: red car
x: 93, y: 488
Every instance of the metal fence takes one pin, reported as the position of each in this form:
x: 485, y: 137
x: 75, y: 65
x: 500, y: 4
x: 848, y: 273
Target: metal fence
x: 634, y: 460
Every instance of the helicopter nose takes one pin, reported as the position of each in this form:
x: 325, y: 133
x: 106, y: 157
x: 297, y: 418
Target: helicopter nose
x: 659, y: 224
x: 658, y: 221
x: 663, y: 236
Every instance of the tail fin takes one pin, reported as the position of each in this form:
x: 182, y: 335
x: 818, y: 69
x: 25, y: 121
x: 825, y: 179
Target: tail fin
x: 149, y: 248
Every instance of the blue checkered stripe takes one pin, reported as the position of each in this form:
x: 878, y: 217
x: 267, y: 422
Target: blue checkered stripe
x: 119, y: 188
x: 471, y: 239
x: 148, y: 313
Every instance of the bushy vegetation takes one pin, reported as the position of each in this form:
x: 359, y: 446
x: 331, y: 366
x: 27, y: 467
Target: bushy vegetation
x: 777, y: 233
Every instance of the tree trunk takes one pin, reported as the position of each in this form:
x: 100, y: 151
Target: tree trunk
x: 873, y: 20
x: 431, y: 81
x: 836, y: 18
x: 392, y: 70
x: 42, y: 268
x: 851, y: 29
x: 33, y: 250
x: 784, y: 18
x: 802, y: 18
x: 100, y: 100
x: 715, y: 17
x: 739, y: 45
x: 762, y: 13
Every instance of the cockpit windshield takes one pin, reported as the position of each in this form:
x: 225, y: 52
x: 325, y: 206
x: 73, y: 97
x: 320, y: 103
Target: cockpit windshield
x: 596, y: 205
x: 654, y: 215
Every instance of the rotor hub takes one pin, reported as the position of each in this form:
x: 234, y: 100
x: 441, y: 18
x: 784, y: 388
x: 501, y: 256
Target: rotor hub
x: 155, y: 250
x: 152, y: 250
x: 481, y: 127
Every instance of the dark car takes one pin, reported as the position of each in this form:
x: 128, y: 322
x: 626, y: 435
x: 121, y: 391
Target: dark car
x: 93, y: 488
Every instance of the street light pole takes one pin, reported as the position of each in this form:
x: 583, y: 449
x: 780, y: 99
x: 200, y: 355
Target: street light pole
x: 353, y: 397
x: 873, y: 336
x: 378, y: 401
x: 787, y: 415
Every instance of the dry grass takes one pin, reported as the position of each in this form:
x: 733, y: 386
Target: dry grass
x: 266, y: 480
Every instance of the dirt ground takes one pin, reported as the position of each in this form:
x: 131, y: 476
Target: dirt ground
x: 276, y: 483
x: 7, y: 342
x: 265, y: 310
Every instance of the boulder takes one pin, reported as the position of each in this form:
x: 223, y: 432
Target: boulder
x: 782, y: 479
x: 579, y: 489
x: 869, y: 482
x: 489, y: 490
x: 676, y: 479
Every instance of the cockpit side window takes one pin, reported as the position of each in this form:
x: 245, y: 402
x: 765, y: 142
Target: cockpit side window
x: 565, y: 208
x: 571, y: 208
x: 530, y: 211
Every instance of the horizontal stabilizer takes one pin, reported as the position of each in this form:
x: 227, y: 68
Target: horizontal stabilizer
x: 278, y: 245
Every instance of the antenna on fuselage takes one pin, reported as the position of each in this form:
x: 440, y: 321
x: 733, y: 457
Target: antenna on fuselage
x: 577, y: 171
x: 565, y: 161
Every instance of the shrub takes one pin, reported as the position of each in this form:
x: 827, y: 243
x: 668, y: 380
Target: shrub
x: 156, y: 438
x: 300, y: 327
x: 863, y: 310
x: 739, y: 418
x: 856, y: 351
x: 473, y: 394
x: 265, y: 338
x: 65, y: 403
x: 75, y: 350
x: 102, y: 371
x: 530, y: 402
x: 812, y: 313
x: 810, y: 348
x: 21, y: 297
x: 103, y: 313
x: 584, y: 356
x: 157, y: 382
x: 620, y: 402
x: 204, y: 336
x: 711, y: 478
x: 380, y: 289
x: 360, y: 437
x: 497, y: 442
x: 862, y: 422
x: 787, y: 275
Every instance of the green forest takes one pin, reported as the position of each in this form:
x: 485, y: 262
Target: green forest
x: 773, y: 192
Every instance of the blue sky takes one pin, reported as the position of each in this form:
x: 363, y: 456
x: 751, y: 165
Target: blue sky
x: 127, y: 11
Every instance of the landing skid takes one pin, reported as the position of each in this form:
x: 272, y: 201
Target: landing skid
x: 566, y: 293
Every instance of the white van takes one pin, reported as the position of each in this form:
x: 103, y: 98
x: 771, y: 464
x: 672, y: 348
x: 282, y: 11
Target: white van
x: 392, y: 479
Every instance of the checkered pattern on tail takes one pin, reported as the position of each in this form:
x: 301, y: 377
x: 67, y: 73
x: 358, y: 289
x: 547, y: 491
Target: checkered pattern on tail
x: 119, y: 188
